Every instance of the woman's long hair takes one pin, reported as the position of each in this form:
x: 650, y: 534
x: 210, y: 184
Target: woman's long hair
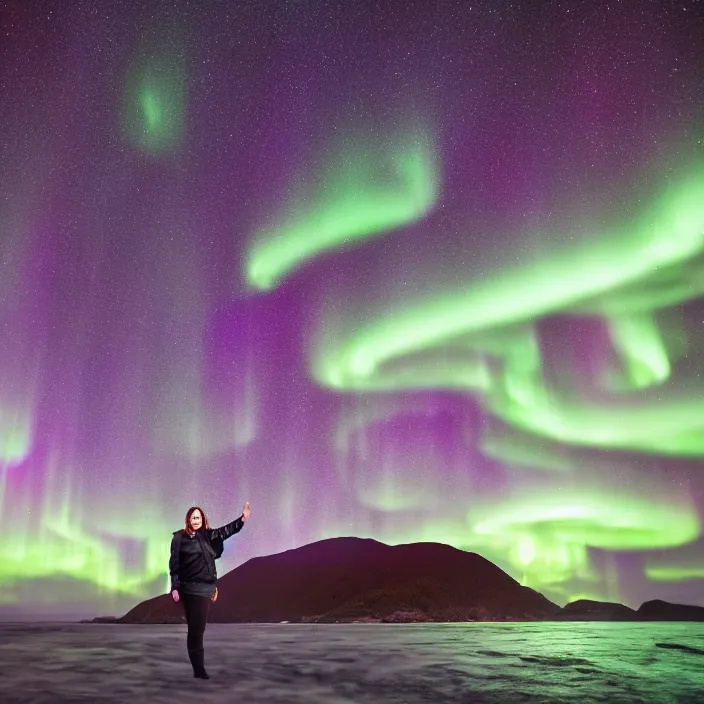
x: 189, y: 513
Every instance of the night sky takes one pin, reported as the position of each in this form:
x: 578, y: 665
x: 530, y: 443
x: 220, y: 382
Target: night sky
x: 406, y: 270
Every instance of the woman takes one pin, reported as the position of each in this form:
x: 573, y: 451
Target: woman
x: 194, y: 550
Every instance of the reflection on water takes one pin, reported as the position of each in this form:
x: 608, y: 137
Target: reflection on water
x: 357, y: 663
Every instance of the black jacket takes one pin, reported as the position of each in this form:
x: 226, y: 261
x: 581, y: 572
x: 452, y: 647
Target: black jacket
x: 193, y: 558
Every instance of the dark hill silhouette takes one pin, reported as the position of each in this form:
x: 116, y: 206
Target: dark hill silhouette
x: 356, y: 579
x: 588, y: 610
x: 658, y: 610
x: 348, y: 579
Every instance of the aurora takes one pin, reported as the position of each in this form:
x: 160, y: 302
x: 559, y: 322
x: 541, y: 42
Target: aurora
x: 413, y: 273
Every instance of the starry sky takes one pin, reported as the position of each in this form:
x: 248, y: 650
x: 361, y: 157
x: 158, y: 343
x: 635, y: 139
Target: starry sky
x: 404, y: 270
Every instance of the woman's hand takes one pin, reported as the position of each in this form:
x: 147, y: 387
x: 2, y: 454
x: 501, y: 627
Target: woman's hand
x: 175, y: 595
x: 245, y: 512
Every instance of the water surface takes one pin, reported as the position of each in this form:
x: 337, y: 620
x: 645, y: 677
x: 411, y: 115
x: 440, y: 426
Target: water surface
x: 357, y: 663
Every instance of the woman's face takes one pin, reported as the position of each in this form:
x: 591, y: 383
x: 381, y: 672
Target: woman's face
x: 196, y: 520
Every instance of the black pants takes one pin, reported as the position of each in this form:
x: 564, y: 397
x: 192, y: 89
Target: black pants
x: 196, y: 608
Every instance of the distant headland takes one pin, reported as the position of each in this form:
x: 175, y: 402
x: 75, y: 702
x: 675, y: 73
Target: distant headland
x: 348, y: 580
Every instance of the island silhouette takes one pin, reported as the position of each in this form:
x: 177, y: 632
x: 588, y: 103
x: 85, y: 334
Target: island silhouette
x: 347, y: 579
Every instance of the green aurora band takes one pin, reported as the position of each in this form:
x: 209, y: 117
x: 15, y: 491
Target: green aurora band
x: 365, y: 190
x: 53, y: 543
x: 113, y: 310
x: 394, y: 348
x: 639, y: 340
x: 676, y: 565
x: 543, y: 534
x: 153, y: 113
x: 482, y: 340
x: 674, y: 574
x: 15, y: 437
x: 546, y: 536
